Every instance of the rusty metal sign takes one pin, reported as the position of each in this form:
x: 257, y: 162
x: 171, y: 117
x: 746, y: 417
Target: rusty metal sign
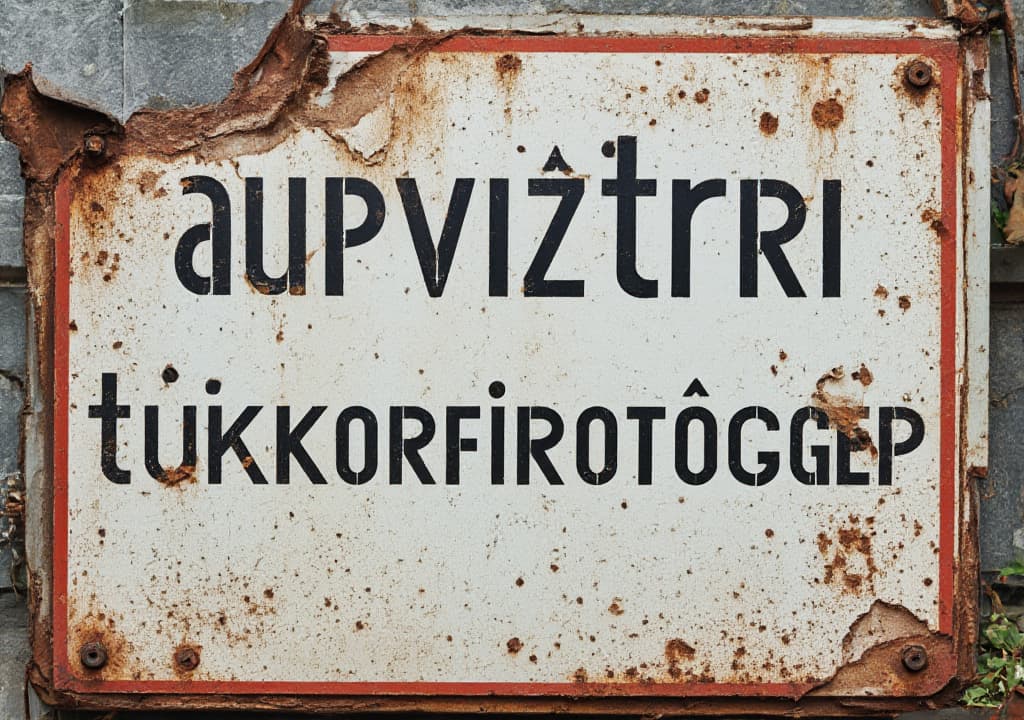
x: 488, y: 368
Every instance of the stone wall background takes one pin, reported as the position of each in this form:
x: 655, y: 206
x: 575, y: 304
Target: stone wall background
x: 117, y: 56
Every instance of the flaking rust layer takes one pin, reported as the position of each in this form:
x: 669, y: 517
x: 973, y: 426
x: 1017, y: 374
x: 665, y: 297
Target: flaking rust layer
x: 271, y: 97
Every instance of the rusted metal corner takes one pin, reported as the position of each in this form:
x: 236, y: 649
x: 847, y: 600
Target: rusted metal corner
x: 889, y: 651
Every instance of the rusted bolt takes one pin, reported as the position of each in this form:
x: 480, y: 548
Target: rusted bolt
x: 93, y: 655
x: 919, y: 74
x: 95, y: 145
x: 187, y: 658
x: 915, y: 658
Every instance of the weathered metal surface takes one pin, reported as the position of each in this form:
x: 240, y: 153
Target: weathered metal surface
x: 850, y: 595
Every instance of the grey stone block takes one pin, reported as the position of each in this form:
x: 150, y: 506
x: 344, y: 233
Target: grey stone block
x: 12, y: 331
x: 186, y: 52
x: 10, y: 170
x: 12, y: 208
x: 1002, y: 100
x: 1002, y: 502
x: 14, y: 654
x: 358, y: 12
x: 74, y: 47
x: 11, y: 401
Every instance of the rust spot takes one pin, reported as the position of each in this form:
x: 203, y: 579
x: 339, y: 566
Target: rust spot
x: 881, y: 293
x: 978, y: 85
x: 176, y: 476
x: 147, y: 181
x: 852, y: 562
x: 769, y: 123
x: 844, y: 412
x: 702, y: 95
x: 520, y: 582
x: 827, y: 114
x: 98, y: 627
x: 186, y: 659
x: 514, y: 645
x: 904, y: 301
x: 554, y: 568
x: 678, y: 650
x: 268, y: 593
x: 616, y: 608
x: 915, y: 93
x: 863, y: 375
x: 508, y: 67
x: 783, y: 355
x: 769, y: 533
x: 934, y: 220
x: 977, y: 472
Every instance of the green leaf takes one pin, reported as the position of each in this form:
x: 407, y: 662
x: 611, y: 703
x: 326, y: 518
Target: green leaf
x: 997, y: 636
x: 999, y: 217
x: 1000, y: 664
x: 978, y: 697
x: 1014, y: 568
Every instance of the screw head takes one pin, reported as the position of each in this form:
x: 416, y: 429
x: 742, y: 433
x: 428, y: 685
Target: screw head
x: 95, y: 145
x: 187, y: 658
x: 93, y: 655
x: 915, y: 658
x: 919, y: 74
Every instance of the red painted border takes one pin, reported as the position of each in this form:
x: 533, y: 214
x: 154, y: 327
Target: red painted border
x: 943, y: 52
x: 948, y: 519
x: 61, y: 318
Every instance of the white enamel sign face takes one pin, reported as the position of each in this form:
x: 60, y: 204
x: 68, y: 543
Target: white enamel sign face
x: 576, y: 365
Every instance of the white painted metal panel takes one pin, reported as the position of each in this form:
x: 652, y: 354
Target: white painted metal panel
x: 490, y: 575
